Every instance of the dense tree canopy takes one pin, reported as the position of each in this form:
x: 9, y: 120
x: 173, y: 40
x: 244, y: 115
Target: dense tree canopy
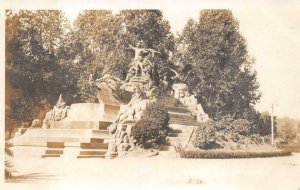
x: 34, y: 76
x: 46, y: 56
x: 225, y: 81
x: 100, y: 41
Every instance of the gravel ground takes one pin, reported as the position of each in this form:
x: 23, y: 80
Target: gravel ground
x: 156, y: 173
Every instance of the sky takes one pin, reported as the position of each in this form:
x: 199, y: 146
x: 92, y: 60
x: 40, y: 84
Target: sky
x: 271, y: 29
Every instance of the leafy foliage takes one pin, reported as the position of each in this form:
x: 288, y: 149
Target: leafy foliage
x: 264, y: 124
x: 241, y: 126
x: 225, y: 132
x: 152, y: 129
x: 287, y: 131
x: 225, y: 80
x: 205, y: 136
x: 35, y: 76
x: 9, y: 165
x: 100, y: 43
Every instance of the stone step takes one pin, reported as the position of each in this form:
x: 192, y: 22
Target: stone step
x: 164, y: 148
x: 94, y: 145
x: 92, y: 152
x: 55, y: 144
x: 96, y: 140
x: 180, y: 127
x: 59, y: 139
x: 104, y: 124
x: 100, y: 133
x: 79, y: 133
x: 173, y: 135
x: 178, y: 139
x: 182, y: 119
x: 40, y: 137
x: 187, y: 130
x: 54, y: 151
x: 179, y: 134
x: 91, y: 156
x: 67, y: 124
x: 178, y: 110
x: 186, y: 123
x: 50, y: 155
x: 169, y: 101
x: 181, y: 116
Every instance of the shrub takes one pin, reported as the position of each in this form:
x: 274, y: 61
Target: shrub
x: 9, y: 165
x: 241, y: 126
x: 257, y: 138
x: 291, y: 148
x: 225, y: 155
x: 223, y: 123
x: 206, y: 136
x: 158, y: 113
x: 152, y: 129
x: 287, y: 131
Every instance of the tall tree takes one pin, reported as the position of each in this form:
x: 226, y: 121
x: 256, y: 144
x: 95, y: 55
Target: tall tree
x: 226, y: 81
x: 34, y: 77
x: 91, y: 48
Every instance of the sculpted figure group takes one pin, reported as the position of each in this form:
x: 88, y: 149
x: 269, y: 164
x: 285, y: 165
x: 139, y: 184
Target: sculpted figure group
x: 141, y: 64
x: 59, y: 112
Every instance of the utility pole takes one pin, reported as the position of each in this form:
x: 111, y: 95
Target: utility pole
x: 272, y: 123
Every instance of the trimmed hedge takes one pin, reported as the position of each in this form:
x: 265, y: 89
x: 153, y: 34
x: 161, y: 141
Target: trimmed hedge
x: 225, y: 155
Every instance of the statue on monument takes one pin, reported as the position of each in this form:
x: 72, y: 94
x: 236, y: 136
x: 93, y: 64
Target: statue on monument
x: 59, y: 112
x: 141, y: 63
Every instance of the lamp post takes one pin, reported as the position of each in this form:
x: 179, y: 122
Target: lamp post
x: 272, y: 122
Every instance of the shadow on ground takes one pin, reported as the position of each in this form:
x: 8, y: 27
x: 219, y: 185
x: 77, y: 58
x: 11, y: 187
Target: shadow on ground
x: 31, y: 178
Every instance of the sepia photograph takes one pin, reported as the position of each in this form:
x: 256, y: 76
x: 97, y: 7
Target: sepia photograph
x: 150, y: 94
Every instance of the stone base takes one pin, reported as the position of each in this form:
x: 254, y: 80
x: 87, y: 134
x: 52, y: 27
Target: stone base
x: 71, y: 137
x: 93, y: 112
x: 65, y: 124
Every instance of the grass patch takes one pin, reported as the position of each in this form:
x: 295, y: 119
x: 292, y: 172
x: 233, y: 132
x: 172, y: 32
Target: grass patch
x: 225, y: 155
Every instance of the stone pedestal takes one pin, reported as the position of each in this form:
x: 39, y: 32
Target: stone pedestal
x: 84, y: 122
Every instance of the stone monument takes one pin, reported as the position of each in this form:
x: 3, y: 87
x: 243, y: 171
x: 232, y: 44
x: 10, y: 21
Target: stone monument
x: 104, y: 129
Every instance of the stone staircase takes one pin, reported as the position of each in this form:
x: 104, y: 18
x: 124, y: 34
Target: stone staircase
x: 74, y: 141
x: 54, y: 149
x: 180, y: 134
x: 182, y: 125
x: 96, y: 148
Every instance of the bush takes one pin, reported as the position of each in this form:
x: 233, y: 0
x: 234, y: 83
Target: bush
x: 290, y: 147
x: 225, y: 155
x: 257, y: 138
x: 9, y: 165
x: 241, y: 126
x: 206, y: 136
x: 158, y: 113
x: 223, y: 123
x: 152, y: 129
x: 287, y: 131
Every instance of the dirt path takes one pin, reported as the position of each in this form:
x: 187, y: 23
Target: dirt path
x: 144, y: 173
